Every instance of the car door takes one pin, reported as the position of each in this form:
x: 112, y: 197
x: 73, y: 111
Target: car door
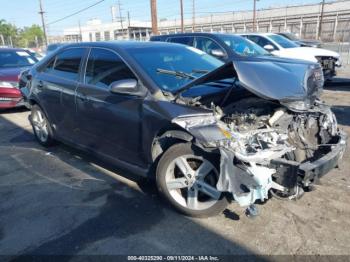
x: 56, y: 83
x: 109, y: 123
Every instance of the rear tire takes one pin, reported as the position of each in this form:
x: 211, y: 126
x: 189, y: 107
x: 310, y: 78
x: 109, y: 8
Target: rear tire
x: 41, y: 127
x: 187, y: 176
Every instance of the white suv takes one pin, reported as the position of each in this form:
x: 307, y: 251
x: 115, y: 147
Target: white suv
x: 283, y: 47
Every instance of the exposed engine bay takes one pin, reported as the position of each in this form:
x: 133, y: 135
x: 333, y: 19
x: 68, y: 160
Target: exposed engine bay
x: 266, y: 147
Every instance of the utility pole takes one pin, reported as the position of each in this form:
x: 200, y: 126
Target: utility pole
x: 120, y: 16
x: 320, y: 22
x: 113, y: 13
x: 80, y: 33
x: 254, y: 15
x: 154, y: 17
x: 128, y: 25
x: 182, y: 16
x: 128, y: 19
x: 193, y: 15
x: 41, y: 12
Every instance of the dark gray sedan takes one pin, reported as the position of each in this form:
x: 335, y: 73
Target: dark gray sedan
x: 208, y: 132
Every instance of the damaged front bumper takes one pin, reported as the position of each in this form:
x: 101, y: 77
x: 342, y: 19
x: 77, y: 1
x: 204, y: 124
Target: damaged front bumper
x: 311, y: 171
x: 250, y: 176
x: 253, y: 183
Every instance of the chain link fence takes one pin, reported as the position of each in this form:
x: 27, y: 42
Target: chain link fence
x: 343, y: 48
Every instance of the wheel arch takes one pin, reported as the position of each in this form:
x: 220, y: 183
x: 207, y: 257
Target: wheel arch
x: 33, y: 101
x: 165, y: 138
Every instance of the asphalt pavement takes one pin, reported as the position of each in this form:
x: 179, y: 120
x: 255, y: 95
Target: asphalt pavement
x: 60, y: 201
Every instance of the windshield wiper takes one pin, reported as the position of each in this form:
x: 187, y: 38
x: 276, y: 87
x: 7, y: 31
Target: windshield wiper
x: 175, y: 73
x: 200, y: 71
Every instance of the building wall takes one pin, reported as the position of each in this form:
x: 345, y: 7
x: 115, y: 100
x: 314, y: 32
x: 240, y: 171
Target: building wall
x: 302, y: 20
x: 95, y: 30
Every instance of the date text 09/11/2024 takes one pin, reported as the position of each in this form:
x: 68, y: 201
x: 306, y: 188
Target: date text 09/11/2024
x: 173, y: 258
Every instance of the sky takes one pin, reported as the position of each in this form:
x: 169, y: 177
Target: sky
x: 25, y: 12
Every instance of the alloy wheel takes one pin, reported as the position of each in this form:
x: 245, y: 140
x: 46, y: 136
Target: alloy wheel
x: 40, y: 126
x: 191, y: 182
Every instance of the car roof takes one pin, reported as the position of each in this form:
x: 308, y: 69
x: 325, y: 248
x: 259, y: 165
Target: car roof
x: 12, y: 49
x: 263, y: 34
x: 120, y: 44
x: 194, y: 34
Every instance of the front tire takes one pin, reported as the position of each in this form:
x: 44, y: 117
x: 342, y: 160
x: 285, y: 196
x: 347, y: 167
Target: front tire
x: 41, y: 127
x: 187, y: 176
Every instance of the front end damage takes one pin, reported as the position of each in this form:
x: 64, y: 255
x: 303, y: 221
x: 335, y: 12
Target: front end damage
x: 283, y: 152
x: 268, y: 146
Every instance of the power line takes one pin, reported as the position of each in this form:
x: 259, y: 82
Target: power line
x: 75, y: 13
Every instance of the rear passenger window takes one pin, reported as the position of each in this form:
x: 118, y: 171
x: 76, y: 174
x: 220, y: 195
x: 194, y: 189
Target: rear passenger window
x: 186, y: 40
x: 67, y: 63
x: 105, y: 67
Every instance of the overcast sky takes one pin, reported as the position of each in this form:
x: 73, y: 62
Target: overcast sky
x: 25, y: 12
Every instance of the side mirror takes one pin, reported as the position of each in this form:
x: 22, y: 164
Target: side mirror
x: 269, y: 48
x: 217, y: 53
x: 125, y: 86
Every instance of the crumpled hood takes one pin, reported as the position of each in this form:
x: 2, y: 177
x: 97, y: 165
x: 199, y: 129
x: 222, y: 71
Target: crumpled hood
x: 305, y: 53
x: 269, y: 78
x: 273, y: 80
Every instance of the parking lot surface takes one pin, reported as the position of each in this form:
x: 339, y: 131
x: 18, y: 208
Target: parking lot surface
x: 60, y: 201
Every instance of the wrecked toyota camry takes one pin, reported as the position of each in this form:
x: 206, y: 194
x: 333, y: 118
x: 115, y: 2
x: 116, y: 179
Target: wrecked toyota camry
x: 207, y: 132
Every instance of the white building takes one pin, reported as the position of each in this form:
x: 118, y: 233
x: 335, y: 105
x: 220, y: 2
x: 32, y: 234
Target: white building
x: 95, y: 30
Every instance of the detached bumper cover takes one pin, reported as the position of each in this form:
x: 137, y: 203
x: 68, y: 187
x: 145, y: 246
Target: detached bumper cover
x: 320, y: 167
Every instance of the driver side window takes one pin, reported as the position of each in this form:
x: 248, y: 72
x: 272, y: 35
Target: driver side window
x: 105, y: 67
x: 261, y: 41
x: 206, y: 45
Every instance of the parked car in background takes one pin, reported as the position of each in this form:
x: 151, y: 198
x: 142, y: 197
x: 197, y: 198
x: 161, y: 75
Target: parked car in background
x: 301, y: 42
x: 207, y: 131
x: 53, y: 47
x: 35, y: 53
x: 222, y: 46
x: 283, y: 47
x: 12, y: 62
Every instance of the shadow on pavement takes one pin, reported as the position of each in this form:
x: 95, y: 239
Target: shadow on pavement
x: 59, y: 203
x: 338, y: 84
x: 342, y: 113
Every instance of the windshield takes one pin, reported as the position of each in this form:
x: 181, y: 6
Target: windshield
x: 290, y: 36
x: 16, y: 58
x: 180, y: 60
x: 282, y: 41
x: 243, y: 46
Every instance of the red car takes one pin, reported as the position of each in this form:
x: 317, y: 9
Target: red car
x: 12, y: 62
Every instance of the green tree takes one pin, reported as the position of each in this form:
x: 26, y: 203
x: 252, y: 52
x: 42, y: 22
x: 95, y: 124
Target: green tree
x: 8, y: 33
x: 32, y: 36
